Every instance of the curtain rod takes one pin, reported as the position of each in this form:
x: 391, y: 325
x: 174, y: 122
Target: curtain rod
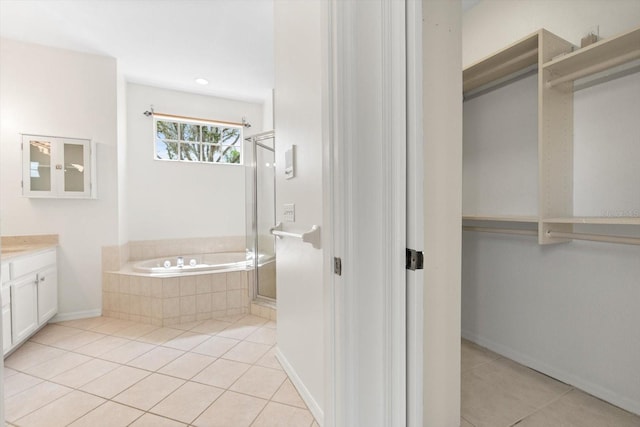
x: 151, y: 112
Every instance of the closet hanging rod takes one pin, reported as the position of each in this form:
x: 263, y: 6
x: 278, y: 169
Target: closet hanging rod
x: 594, y: 237
x: 501, y: 230
x: 312, y: 236
x: 596, y: 68
x: 150, y: 113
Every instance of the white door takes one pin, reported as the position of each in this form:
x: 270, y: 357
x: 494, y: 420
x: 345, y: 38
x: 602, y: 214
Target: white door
x: 367, y: 104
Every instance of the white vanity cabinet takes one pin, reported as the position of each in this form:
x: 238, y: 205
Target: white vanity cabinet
x: 32, y: 295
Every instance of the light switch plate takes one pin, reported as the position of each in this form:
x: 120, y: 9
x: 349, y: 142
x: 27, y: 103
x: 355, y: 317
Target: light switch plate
x: 289, y: 212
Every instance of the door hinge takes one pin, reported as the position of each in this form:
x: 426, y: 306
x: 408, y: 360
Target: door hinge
x: 415, y: 259
x: 337, y: 266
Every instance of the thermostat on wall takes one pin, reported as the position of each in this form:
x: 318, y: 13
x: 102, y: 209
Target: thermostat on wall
x: 289, y: 162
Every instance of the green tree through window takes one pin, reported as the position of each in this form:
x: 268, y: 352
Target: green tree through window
x: 195, y: 141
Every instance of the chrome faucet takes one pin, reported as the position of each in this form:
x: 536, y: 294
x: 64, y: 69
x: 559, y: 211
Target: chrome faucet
x: 180, y: 262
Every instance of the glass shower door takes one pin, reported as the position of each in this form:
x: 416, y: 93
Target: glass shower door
x: 265, y: 216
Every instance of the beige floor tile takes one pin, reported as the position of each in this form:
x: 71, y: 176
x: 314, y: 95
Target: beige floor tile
x: 247, y: 352
x: 86, y: 324
x: 187, y: 365
x: 259, y: 382
x: 186, y: 341
x: 109, y: 328
x: 232, y: 318
x: 271, y: 324
x: 53, y: 367
x: 19, y: 382
x: 151, y: 420
x: 156, y: 358
x: 135, y: 331
x: 81, y: 375
x: 502, y: 392
x: 279, y: 415
x: 269, y: 360
x: 160, y: 336
x: 578, y: 409
x: 222, y: 373
x: 21, y: 404
x: 465, y: 423
x: 115, y: 381
x: 187, y: 402
x: 315, y: 424
x: 127, y: 352
x: 149, y: 391
x: 7, y: 372
x: 211, y: 326
x: 51, y: 334
x: 231, y: 409
x: 187, y: 326
x: 263, y: 336
x: 238, y: 331
x: 101, y: 346
x: 31, y: 354
x: 63, y: 411
x: 110, y: 414
x: 215, y: 346
x: 288, y: 394
x: 78, y: 340
x: 473, y: 355
x: 251, y: 320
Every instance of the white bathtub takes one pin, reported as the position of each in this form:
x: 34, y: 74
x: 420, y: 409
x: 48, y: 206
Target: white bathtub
x: 197, y: 263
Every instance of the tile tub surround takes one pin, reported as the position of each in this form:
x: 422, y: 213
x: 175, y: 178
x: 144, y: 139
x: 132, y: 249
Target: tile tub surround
x: 264, y: 310
x: 165, y: 301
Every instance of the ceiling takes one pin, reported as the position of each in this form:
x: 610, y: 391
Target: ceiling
x: 163, y: 43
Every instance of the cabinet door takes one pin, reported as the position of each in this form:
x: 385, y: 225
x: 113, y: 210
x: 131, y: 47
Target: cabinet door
x: 76, y: 172
x: 6, y: 328
x: 24, y: 307
x: 47, y: 294
x: 6, y: 318
x: 38, y: 166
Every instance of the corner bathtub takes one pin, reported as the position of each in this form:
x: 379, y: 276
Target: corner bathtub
x: 197, y: 263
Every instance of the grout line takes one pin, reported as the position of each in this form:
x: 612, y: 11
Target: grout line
x: 560, y: 396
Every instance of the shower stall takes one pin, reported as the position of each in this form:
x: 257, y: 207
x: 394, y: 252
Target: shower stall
x: 261, y: 215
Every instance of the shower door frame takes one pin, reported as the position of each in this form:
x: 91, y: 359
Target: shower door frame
x: 255, y: 142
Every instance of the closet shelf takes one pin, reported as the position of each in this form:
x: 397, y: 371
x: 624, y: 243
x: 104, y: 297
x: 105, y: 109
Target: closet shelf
x: 502, y: 218
x: 592, y: 59
x: 607, y: 220
x: 513, y: 58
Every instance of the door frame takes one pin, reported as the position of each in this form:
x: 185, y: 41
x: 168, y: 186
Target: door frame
x: 365, y: 212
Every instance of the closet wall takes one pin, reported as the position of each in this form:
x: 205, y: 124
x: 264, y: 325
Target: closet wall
x: 569, y: 310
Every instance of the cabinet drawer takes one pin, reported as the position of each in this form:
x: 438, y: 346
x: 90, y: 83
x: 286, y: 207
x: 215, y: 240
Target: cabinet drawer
x: 6, y: 296
x: 31, y: 263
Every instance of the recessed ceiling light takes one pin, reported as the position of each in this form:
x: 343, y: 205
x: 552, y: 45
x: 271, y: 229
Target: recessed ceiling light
x: 202, y: 81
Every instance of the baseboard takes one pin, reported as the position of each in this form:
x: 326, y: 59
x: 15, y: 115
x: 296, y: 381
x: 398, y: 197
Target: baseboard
x: 61, y: 317
x: 313, y: 406
x: 554, y: 372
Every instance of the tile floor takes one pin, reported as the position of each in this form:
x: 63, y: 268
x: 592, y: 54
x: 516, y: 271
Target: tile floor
x: 498, y: 392
x: 223, y: 372
x: 110, y: 372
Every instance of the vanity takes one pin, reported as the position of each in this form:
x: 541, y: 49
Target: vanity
x: 29, y: 287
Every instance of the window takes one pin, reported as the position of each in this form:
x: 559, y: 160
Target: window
x: 197, y: 141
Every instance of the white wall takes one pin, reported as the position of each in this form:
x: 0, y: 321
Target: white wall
x: 568, y: 310
x: 176, y: 199
x: 57, y: 92
x: 298, y: 115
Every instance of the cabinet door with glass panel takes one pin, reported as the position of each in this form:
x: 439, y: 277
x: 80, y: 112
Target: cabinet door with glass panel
x: 56, y: 167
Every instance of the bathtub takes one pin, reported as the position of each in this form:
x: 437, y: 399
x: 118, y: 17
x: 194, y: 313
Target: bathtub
x: 198, y: 263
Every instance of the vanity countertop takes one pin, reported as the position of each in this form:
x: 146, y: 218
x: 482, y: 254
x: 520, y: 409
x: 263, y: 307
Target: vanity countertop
x: 15, y: 246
